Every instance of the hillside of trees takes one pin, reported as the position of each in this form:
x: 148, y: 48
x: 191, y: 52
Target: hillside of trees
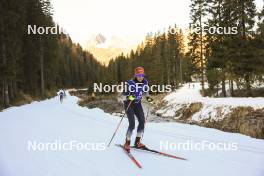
x: 38, y: 65
x: 162, y: 56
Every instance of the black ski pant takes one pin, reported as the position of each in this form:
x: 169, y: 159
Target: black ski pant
x: 135, y: 109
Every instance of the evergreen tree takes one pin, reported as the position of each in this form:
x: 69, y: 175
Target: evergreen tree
x: 196, y: 38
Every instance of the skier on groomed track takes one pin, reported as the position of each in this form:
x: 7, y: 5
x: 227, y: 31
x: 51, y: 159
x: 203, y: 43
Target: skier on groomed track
x: 136, y: 87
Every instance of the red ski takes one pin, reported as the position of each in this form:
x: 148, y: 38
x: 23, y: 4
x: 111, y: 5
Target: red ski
x: 130, y: 156
x: 159, y: 153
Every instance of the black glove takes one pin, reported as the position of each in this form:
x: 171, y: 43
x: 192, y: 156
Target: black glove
x: 149, y: 99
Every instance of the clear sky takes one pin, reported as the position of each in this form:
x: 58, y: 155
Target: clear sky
x: 124, y: 20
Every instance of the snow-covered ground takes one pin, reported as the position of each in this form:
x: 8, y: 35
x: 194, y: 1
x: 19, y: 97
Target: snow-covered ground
x: 210, y: 106
x: 50, y: 121
x: 188, y: 94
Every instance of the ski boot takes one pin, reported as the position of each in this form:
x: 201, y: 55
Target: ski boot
x: 127, y: 145
x: 138, y: 144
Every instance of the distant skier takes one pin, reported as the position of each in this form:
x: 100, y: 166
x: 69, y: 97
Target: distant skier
x: 135, y: 89
x: 61, y: 95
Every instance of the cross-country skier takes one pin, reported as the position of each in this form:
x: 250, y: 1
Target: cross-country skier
x: 135, y: 89
x: 61, y: 95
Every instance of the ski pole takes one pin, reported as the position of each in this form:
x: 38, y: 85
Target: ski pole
x: 119, y: 124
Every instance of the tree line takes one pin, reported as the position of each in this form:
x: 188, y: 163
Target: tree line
x: 235, y: 58
x: 162, y: 56
x: 37, y: 65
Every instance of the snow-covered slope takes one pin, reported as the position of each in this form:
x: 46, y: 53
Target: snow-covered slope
x: 50, y: 121
x: 211, y: 108
x: 191, y: 94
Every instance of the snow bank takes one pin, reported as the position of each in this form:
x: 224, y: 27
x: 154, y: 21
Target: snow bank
x: 212, y: 108
x: 192, y: 95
